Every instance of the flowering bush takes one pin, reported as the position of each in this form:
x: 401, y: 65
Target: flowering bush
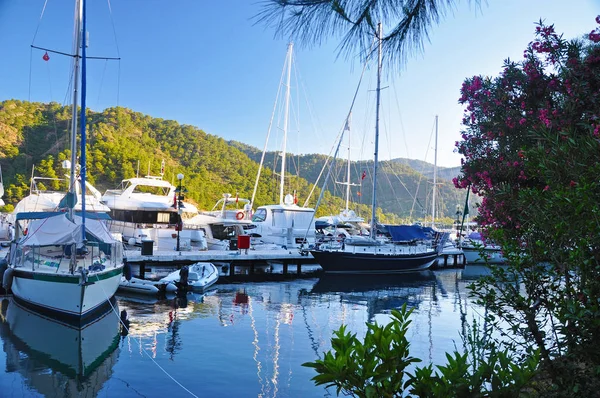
x: 531, y: 147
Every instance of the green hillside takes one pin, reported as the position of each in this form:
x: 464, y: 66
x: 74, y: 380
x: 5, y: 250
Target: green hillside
x: 120, y: 141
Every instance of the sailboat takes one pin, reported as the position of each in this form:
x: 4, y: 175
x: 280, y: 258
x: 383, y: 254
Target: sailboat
x: 62, y: 263
x: 284, y: 224
x: 410, y: 248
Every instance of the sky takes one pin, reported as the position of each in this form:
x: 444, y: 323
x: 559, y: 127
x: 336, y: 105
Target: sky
x: 210, y: 65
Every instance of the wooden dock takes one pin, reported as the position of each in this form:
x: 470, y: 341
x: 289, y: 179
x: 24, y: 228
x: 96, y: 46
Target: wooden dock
x: 251, y: 261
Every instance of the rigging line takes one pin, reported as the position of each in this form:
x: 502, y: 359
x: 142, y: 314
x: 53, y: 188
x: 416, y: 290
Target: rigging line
x: 338, y: 140
x: 262, y: 158
x: 400, y: 117
x: 30, y: 64
x: 39, y: 21
x: 140, y: 342
x: 422, y: 171
x: 101, y: 83
x: 341, y: 137
x: 112, y: 21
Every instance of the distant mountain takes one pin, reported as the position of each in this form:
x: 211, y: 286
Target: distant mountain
x: 445, y: 173
x: 123, y: 143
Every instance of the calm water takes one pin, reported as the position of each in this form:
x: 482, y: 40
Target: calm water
x: 239, y: 340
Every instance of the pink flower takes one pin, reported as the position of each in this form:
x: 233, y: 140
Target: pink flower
x: 547, y: 187
x: 572, y: 183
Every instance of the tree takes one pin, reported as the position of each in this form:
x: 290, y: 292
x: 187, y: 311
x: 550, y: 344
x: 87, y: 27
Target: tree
x: 311, y: 21
x: 530, y: 144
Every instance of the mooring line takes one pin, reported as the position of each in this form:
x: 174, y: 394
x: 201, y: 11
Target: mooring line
x: 142, y: 347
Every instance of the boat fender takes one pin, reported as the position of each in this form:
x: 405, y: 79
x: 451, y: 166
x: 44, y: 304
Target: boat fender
x: 7, y: 279
x: 127, y: 271
x: 239, y: 215
x: 184, y: 272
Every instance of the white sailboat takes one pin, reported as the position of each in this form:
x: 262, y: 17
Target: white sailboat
x: 409, y: 249
x: 62, y: 263
x: 284, y: 224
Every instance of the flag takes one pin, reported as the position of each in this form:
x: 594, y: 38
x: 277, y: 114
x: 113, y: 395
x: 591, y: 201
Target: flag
x: 364, y: 175
x: 175, y: 200
x: 295, y: 199
x: 46, y: 57
x: 347, y: 126
x: 236, y: 198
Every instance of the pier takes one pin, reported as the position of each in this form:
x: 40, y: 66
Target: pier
x: 253, y: 261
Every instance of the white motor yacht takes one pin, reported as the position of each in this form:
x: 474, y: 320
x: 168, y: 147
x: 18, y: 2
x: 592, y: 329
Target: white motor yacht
x: 142, y: 206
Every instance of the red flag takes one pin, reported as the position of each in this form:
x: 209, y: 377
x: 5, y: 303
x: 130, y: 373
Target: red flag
x: 236, y: 198
x: 364, y: 175
x: 295, y: 199
x: 175, y: 200
x: 46, y: 57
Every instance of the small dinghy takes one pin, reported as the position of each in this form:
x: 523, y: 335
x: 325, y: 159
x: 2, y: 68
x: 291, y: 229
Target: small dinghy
x: 130, y: 284
x: 142, y: 286
x: 196, y: 277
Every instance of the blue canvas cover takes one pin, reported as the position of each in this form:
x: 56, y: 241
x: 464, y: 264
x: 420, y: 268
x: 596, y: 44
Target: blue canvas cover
x: 405, y: 233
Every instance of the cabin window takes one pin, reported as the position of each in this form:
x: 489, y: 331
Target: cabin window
x: 163, y: 218
x: 260, y: 215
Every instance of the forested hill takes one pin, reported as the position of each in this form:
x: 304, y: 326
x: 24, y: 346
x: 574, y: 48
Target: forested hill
x: 119, y: 139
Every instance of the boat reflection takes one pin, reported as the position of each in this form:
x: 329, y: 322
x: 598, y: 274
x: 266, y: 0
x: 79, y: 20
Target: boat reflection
x: 56, y: 359
x: 380, y: 293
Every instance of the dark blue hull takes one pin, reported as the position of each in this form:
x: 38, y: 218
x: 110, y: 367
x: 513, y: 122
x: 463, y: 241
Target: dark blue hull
x: 365, y: 263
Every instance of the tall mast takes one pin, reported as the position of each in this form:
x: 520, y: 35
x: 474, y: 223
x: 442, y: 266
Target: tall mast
x: 285, y: 120
x: 375, y: 158
x: 83, y: 94
x: 434, y: 174
x: 76, y: 45
x: 348, y: 171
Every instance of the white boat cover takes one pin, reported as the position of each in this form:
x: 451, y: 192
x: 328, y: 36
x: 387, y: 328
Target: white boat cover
x: 97, y: 228
x: 57, y: 230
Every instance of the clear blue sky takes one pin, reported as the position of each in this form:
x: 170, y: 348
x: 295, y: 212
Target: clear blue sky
x: 207, y: 64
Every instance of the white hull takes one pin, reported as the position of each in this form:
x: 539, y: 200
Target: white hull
x: 490, y: 256
x: 65, y: 293
x: 201, y: 276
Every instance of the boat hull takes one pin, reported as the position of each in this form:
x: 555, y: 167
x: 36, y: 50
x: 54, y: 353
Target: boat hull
x: 368, y: 263
x: 483, y: 256
x: 64, y: 296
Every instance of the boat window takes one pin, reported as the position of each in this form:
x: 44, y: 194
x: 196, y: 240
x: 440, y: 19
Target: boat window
x: 163, y: 217
x: 222, y: 232
x: 260, y: 215
x: 160, y: 191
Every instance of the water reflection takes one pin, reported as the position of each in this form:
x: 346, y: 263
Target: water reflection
x: 250, y: 339
x: 56, y: 359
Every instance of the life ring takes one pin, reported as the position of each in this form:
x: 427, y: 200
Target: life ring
x: 239, y: 215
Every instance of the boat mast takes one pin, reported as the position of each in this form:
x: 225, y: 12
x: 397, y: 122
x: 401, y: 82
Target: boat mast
x: 375, y: 158
x: 434, y: 175
x: 285, y: 120
x: 348, y: 166
x: 83, y: 95
x: 76, y: 45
